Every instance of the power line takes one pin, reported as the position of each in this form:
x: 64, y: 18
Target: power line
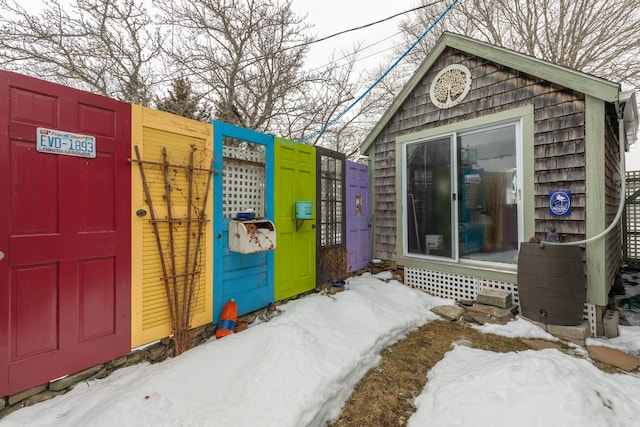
x: 362, y: 58
x: 365, y: 26
x: 353, y: 104
x: 349, y: 55
x: 309, y: 42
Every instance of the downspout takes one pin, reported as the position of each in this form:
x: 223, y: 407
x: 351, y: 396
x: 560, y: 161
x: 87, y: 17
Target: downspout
x: 623, y: 189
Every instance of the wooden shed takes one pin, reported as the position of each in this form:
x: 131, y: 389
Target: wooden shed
x: 484, y: 148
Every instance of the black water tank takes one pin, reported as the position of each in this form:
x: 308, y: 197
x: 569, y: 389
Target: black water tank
x: 551, y: 283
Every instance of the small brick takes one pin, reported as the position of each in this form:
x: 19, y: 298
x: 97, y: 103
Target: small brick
x: 482, y: 314
x: 74, y: 379
x: 578, y: 332
x: 15, y: 398
x: 449, y: 312
x: 41, y: 397
x: 614, y: 357
x: 134, y: 358
x: 610, y: 322
x: 495, y: 298
x: 118, y: 361
x: 539, y: 344
x: 156, y: 353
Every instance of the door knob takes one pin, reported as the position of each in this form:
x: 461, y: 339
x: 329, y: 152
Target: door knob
x: 1, y: 255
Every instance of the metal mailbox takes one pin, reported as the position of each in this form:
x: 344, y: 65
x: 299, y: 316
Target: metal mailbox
x: 250, y: 236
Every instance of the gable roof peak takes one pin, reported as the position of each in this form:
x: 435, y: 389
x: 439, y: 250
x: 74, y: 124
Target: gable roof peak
x: 563, y: 76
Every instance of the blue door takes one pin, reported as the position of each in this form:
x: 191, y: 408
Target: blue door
x: 246, y: 183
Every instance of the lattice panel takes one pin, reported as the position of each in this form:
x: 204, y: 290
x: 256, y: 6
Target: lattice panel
x: 632, y: 213
x: 589, y: 313
x: 243, y: 179
x: 456, y: 287
x: 442, y: 285
x: 633, y: 182
x: 633, y: 247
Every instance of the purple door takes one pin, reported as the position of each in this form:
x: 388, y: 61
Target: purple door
x: 357, y: 205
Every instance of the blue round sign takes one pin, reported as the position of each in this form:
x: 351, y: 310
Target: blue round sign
x: 560, y: 203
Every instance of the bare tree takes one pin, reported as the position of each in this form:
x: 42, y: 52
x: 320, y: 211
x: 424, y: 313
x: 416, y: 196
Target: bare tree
x: 246, y: 54
x: 107, y: 47
x: 594, y: 36
x: 325, y: 112
x: 247, y: 57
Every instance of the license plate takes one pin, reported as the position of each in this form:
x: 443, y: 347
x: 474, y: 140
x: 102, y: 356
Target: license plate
x: 65, y: 143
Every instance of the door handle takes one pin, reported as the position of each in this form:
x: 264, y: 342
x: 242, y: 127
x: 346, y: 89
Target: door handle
x: 1, y: 255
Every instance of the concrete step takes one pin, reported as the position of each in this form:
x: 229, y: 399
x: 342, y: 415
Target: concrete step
x: 495, y: 298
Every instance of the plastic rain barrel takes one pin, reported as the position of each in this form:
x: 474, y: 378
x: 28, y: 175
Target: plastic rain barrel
x: 551, y: 283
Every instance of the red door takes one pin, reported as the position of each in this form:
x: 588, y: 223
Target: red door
x: 64, y: 234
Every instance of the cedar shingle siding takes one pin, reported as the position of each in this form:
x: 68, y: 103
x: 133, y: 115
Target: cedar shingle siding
x: 612, y: 174
x: 559, y: 140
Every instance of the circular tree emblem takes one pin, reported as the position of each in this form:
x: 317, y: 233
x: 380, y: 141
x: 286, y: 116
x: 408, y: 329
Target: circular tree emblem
x: 450, y: 86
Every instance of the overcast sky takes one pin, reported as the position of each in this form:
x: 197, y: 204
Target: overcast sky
x: 633, y: 156
x: 332, y: 16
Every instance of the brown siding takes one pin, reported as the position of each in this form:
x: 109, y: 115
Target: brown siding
x: 612, y: 177
x: 559, y: 139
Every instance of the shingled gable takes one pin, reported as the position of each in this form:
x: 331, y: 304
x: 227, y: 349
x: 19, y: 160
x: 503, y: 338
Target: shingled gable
x: 563, y: 76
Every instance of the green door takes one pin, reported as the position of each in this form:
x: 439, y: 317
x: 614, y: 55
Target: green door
x: 295, y: 257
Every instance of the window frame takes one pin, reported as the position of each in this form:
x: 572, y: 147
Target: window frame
x: 517, y: 121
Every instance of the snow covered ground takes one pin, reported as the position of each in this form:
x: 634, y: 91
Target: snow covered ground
x: 299, y: 368
x: 632, y: 288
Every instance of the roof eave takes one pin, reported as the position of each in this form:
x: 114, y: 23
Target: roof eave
x: 630, y: 115
x: 563, y: 76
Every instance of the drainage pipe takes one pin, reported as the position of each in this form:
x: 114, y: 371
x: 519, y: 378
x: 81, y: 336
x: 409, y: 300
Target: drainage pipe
x: 622, y: 140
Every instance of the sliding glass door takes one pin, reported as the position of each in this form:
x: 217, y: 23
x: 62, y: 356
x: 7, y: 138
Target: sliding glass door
x: 461, y: 195
x: 429, y: 191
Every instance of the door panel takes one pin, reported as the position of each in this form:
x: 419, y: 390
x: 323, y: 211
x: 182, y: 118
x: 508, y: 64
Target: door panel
x: 295, y: 180
x: 247, y: 278
x: 429, y: 190
x: 100, y: 274
x: 33, y: 320
x: 65, y: 232
x: 357, y: 207
x: 152, y: 131
x: 41, y: 214
x: 97, y: 177
x: 330, y: 197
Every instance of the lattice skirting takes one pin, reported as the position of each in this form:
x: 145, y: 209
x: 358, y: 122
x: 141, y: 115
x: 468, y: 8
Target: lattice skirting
x: 456, y: 287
